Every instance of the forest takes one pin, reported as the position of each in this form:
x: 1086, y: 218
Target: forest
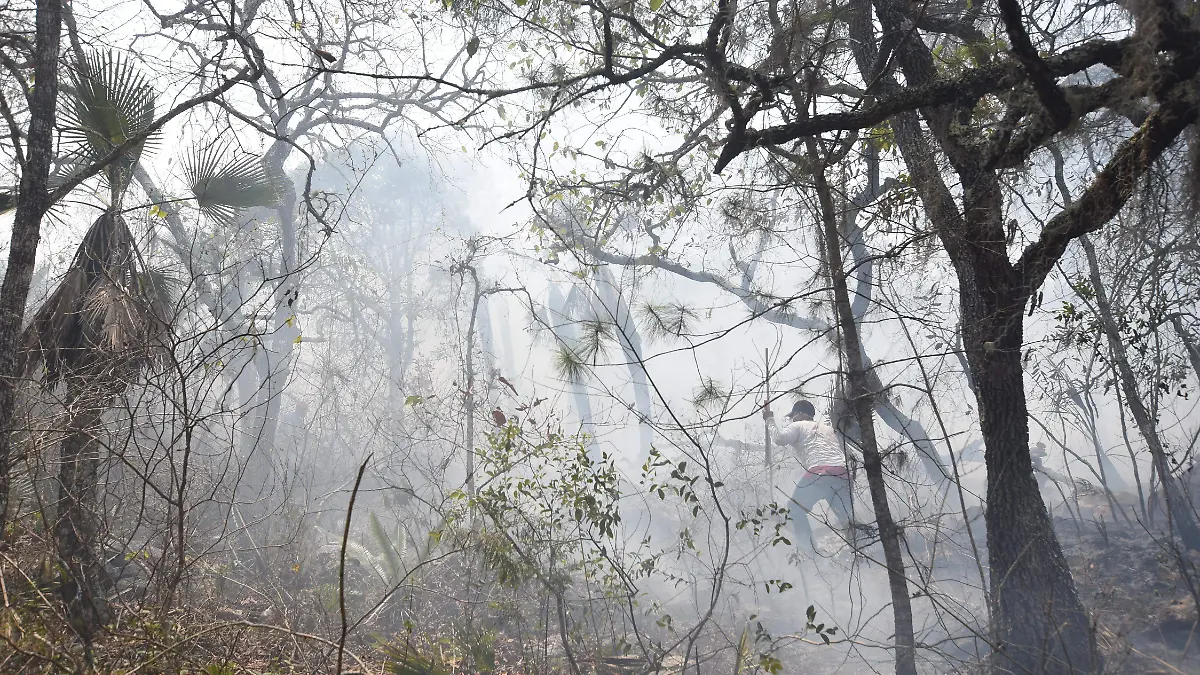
x: 440, y: 337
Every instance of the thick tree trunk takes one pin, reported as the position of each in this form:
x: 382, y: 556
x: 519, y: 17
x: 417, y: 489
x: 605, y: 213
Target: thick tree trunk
x: 1180, y: 519
x: 860, y: 402
x: 33, y: 200
x: 76, y: 524
x: 1040, y: 624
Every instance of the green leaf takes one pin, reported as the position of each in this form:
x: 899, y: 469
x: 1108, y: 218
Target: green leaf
x: 109, y: 102
x: 391, y: 556
x: 655, y: 4
x: 414, y: 400
x: 224, y: 186
x: 404, y: 659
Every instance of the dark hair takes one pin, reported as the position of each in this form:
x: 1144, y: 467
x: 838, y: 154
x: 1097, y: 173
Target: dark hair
x: 803, y: 407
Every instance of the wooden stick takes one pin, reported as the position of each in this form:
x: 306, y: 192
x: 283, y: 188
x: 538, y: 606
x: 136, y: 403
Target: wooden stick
x: 769, y: 458
x: 341, y: 644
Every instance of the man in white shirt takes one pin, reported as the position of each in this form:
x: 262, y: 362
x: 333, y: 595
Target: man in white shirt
x: 826, y: 477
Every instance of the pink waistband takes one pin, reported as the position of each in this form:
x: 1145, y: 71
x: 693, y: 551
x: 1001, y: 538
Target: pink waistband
x: 827, y: 470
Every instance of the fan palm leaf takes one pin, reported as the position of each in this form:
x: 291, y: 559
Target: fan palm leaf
x: 110, y: 102
x: 224, y: 185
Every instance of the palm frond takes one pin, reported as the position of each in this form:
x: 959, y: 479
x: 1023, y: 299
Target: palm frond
x: 110, y: 101
x: 391, y: 557
x: 58, y: 335
x: 130, y: 309
x: 161, y: 287
x: 223, y: 186
x: 115, y: 313
x: 108, y: 305
x: 404, y: 659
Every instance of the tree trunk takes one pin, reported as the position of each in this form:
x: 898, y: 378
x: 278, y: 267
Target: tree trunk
x: 562, y: 323
x: 33, y: 200
x: 1189, y: 344
x: 860, y: 401
x: 1040, y: 626
x: 1180, y: 519
x: 469, y: 389
x: 631, y: 346
x: 278, y: 354
x: 76, y: 524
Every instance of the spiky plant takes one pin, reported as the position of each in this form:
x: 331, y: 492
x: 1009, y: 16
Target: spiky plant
x: 667, y: 321
x: 710, y: 392
x: 111, y: 312
x: 223, y: 185
x: 569, y: 364
x: 109, y: 107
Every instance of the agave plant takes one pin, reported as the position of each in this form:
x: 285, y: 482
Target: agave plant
x: 111, y: 312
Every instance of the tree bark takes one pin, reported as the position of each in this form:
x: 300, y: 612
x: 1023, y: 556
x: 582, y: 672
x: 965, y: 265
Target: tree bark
x: 76, y: 525
x: 860, y: 402
x: 33, y: 200
x: 1040, y: 625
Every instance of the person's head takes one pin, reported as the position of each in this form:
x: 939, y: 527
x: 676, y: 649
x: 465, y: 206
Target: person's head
x: 802, y: 410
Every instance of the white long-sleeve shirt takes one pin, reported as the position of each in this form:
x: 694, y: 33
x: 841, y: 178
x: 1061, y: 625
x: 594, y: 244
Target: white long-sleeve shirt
x: 815, y: 444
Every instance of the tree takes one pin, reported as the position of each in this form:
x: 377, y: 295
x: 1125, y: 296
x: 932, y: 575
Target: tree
x: 982, y: 114
x: 32, y: 202
x: 861, y: 395
x: 108, y: 316
x: 37, y: 193
x: 1129, y: 327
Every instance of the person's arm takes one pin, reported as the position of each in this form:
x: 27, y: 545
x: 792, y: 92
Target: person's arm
x: 769, y: 417
x: 787, y: 435
x: 1051, y: 474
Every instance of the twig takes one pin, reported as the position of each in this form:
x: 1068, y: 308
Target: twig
x: 248, y: 624
x: 341, y: 644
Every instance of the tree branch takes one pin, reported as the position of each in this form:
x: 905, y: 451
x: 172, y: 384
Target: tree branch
x: 972, y: 84
x: 1113, y: 186
x: 1039, y: 73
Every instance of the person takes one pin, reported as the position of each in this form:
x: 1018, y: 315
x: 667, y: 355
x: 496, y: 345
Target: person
x: 1049, y: 480
x: 826, y: 475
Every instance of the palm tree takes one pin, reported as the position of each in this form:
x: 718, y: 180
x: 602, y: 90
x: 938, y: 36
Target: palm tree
x: 110, y: 315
